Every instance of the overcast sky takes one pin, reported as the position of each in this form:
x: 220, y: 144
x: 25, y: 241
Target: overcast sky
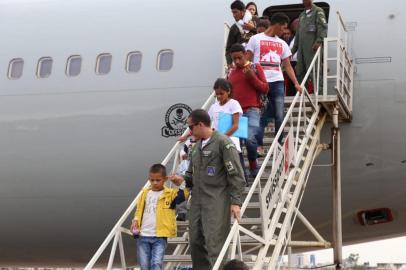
x: 384, y: 251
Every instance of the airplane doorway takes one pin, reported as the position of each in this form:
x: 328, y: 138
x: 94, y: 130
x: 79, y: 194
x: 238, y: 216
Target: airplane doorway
x: 293, y: 11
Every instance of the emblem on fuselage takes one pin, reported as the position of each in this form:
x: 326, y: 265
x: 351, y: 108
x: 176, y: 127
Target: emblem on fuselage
x: 175, y: 120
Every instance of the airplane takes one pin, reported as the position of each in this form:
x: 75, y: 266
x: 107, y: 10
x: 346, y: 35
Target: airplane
x: 92, y: 91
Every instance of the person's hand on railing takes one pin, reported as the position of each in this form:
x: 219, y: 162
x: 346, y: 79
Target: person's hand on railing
x: 176, y: 179
x: 235, y: 211
x: 298, y: 88
x: 316, y: 46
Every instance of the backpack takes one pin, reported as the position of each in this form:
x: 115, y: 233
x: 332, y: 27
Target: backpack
x: 262, y: 98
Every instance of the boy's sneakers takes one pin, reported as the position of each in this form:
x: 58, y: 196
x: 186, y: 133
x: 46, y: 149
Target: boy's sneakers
x: 261, y: 151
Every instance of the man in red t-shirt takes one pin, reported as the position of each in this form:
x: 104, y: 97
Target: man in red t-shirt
x: 248, y: 81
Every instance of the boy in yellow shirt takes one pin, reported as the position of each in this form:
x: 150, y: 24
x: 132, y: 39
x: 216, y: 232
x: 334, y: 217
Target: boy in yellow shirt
x: 155, y: 217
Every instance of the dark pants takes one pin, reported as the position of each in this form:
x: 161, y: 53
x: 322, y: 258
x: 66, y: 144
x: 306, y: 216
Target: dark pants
x: 290, y: 86
x: 275, y: 109
x: 253, y: 115
x: 209, y: 228
x: 304, y: 60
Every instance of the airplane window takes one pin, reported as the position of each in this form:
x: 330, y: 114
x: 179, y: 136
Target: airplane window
x: 134, y: 62
x: 103, y: 64
x: 165, y: 60
x: 44, y: 67
x: 74, y: 65
x: 15, y: 68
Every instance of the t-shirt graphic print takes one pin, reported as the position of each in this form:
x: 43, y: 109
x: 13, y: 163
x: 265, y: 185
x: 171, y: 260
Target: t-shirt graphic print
x: 148, y: 224
x: 270, y: 54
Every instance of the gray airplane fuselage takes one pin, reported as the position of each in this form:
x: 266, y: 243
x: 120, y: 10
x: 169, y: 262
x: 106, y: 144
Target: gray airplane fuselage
x: 75, y: 151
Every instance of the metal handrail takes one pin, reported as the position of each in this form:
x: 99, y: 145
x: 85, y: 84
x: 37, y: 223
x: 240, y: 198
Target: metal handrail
x: 118, y: 229
x: 299, y: 97
x: 301, y: 100
x: 344, y: 66
x: 131, y: 207
x: 297, y: 213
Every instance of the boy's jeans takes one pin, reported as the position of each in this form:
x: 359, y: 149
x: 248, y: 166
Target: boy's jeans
x: 150, y: 252
x: 275, y: 109
x: 253, y: 115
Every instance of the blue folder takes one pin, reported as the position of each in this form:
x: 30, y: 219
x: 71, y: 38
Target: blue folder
x: 225, y: 122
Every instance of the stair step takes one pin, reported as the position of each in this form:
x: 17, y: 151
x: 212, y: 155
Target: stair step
x: 188, y: 258
x: 270, y: 137
x: 245, y: 240
x: 177, y: 258
x: 271, y: 130
x: 254, y: 205
x: 269, y: 140
x: 247, y: 189
x: 268, y: 165
x: 244, y: 221
x: 296, y: 110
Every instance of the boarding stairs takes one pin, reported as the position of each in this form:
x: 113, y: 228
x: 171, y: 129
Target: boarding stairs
x: 272, y: 200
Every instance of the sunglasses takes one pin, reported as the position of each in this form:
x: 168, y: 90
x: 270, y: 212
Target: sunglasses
x: 191, y: 126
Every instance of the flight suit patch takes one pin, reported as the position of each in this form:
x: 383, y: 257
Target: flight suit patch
x: 230, y: 145
x: 206, y: 153
x: 229, y: 166
x: 311, y: 28
x: 211, y: 170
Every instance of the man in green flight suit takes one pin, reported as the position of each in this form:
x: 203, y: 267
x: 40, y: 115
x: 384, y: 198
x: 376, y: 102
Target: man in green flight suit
x: 217, y: 181
x: 309, y: 37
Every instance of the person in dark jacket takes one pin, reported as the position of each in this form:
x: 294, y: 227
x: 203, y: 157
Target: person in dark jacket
x: 237, y: 33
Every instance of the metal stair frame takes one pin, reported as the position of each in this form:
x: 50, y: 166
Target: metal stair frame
x: 344, y: 91
x: 284, y: 234
x: 299, y: 149
x: 344, y: 70
x: 305, y: 126
x: 286, y: 200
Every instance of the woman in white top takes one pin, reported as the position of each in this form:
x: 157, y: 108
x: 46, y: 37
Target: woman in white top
x: 226, y: 104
